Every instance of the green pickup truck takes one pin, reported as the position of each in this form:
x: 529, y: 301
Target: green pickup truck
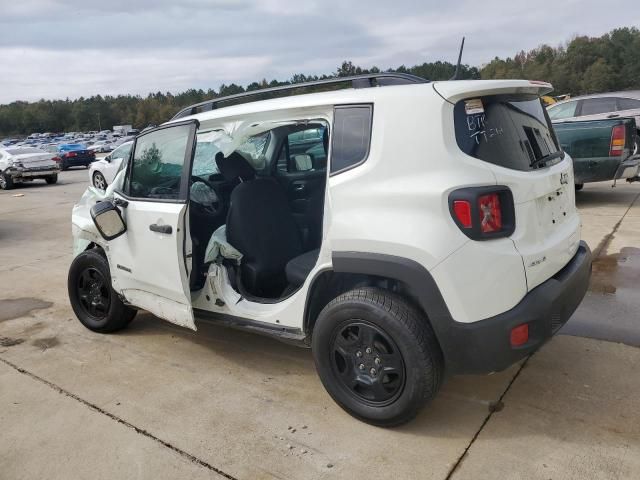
x: 601, y: 149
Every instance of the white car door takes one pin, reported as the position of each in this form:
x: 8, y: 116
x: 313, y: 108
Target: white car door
x: 150, y: 263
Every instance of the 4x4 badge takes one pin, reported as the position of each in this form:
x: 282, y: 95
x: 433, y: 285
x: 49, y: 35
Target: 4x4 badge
x: 564, y: 178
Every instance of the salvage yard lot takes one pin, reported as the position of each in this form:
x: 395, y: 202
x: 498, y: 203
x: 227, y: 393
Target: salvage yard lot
x: 158, y: 401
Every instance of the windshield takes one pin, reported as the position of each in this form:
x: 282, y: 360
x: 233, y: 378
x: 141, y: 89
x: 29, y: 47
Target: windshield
x: 512, y: 131
x: 210, y: 143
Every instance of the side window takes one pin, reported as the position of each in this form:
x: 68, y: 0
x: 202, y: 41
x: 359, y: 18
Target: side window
x: 303, y: 151
x: 351, y: 136
x: 596, y: 106
x: 157, y: 164
x: 564, y: 110
x: 628, y: 104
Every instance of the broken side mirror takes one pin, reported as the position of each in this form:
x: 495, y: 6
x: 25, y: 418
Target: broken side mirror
x: 108, y: 220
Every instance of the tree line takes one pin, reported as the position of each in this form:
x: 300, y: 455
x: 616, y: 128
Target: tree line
x: 583, y: 65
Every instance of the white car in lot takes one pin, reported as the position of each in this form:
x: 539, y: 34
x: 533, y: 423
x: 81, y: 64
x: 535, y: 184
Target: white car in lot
x: 101, y: 146
x: 410, y: 232
x: 24, y: 164
x: 102, y: 172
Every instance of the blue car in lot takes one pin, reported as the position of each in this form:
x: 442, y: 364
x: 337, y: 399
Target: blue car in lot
x: 74, y: 155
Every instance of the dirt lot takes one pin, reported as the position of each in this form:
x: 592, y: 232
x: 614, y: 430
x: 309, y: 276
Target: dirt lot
x: 158, y: 401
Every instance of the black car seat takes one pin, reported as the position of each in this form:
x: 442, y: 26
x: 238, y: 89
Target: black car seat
x: 261, y: 226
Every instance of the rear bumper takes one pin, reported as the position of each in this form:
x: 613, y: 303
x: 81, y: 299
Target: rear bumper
x: 484, y: 346
x: 18, y: 174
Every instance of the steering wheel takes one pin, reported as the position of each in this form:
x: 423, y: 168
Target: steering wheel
x: 215, y: 208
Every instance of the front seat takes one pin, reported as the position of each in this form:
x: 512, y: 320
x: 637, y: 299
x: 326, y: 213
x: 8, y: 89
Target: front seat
x: 261, y: 226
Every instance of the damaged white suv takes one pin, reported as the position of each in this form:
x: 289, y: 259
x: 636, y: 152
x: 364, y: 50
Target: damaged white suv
x: 404, y: 233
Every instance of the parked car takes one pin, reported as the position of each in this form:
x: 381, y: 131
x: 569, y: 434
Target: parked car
x: 600, y: 149
x: 450, y: 244
x: 101, y: 146
x: 75, y: 155
x: 102, y: 172
x: 599, y: 107
x: 24, y: 164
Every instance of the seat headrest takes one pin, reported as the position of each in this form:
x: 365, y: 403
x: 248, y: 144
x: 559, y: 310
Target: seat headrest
x: 234, y: 166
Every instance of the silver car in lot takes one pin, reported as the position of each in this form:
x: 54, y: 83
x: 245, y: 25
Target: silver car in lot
x: 598, y: 107
x: 23, y: 164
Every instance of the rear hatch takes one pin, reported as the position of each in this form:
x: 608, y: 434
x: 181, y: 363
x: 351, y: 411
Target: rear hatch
x: 505, y: 125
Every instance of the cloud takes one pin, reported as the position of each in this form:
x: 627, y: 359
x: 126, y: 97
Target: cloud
x: 71, y: 48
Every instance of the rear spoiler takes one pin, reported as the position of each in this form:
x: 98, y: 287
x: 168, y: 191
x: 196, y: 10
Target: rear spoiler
x: 453, y: 91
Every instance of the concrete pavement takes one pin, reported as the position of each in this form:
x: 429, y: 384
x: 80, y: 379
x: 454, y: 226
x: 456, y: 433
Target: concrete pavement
x: 158, y: 401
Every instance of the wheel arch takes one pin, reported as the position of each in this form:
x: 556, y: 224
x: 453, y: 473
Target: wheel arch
x: 401, y: 275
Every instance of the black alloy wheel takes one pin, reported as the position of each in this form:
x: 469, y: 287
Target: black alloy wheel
x: 368, y: 363
x: 94, y: 293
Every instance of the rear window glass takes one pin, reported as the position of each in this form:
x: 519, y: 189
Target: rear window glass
x: 628, y: 103
x: 23, y: 151
x: 512, y: 131
x: 351, y: 136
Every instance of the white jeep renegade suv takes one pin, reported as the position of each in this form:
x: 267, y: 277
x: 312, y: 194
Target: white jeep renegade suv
x: 404, y: 233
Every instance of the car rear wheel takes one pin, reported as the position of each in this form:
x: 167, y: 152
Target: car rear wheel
x: 51, y: 179
x: 93, y: 300
x: 6, y: 182
x: 377, y: 356
x: 99, y: 181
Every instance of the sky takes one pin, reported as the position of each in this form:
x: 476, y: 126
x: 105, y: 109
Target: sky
x: 71, y: 48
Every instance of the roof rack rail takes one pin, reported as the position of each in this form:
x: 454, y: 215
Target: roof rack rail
x: 357, y: 81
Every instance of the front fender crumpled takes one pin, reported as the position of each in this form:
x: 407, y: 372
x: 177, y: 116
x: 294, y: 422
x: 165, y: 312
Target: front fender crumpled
x: 84, y: 230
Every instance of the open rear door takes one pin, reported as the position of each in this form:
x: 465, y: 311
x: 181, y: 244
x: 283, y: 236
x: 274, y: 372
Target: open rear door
x: 149, y: 264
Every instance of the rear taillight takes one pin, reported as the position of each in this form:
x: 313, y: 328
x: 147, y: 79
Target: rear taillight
x: 618, y: 138
x: 56, y: 159
x: 70, y: 154
x: 490, y: 213
x: 462, y: 211
x: 483, y: 213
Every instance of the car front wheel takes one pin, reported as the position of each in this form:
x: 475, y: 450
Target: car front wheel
x: 377, y: 356
x: 99, y: 181
x: 51, y: 179
x: 93, y: 300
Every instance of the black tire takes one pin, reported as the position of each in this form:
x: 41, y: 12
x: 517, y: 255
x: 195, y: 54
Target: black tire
x: 92, y: 298
x: 401, y: 341
x: 64, y: 166
x: 6, y: 182
x: 579, y: 186
x: 51, y: 179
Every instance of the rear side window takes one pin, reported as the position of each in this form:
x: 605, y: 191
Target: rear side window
x: 596, y: 106
x: 512, y: 131
x: 351, y: 136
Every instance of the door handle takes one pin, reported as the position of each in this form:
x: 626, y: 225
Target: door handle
x: 154, y: 227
